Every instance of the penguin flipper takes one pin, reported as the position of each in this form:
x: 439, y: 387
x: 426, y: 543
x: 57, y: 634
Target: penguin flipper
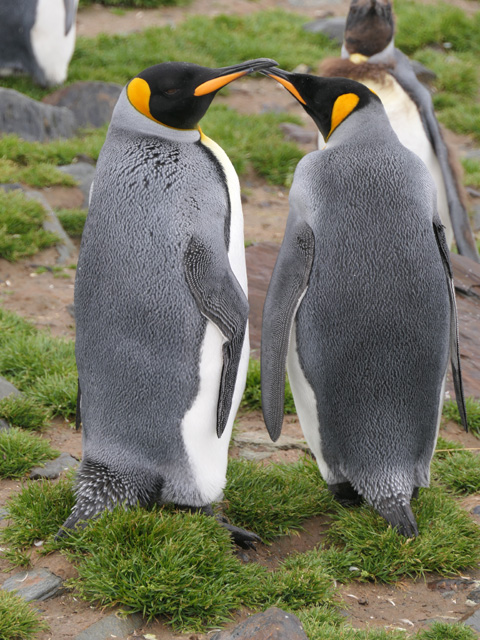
x: 221, y: 299
x: 287, y: 286
x: 70, y: 13
x: 403, y: 72
x: 454, y: 346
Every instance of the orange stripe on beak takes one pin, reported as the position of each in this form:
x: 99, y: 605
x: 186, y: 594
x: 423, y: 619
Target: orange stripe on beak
x: 288, y: 85
x: 217, y: 83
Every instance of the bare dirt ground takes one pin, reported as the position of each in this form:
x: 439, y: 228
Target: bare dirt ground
x: 44, y: 299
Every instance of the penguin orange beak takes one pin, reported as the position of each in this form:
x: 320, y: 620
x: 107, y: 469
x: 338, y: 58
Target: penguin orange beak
x: 225, y: 75
x: 282, y: 76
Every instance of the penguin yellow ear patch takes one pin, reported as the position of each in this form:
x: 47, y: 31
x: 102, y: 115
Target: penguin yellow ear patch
x: 344, y: 105
x: 139, y: 93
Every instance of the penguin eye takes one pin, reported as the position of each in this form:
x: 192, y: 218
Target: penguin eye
x: 171, y: 92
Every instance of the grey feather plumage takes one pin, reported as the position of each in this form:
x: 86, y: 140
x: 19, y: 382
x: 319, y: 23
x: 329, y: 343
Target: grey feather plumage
x: 369, y: 336
x: 153, y: 271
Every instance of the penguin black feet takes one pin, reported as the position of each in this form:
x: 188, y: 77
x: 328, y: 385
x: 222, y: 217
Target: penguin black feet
x: 240, y: 537
x: 345, y: 494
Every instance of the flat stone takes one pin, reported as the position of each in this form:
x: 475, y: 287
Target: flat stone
x: 112, y: 626
x: 423, y: 73
x: 54, y: 468
x: 273, y: 624
x: 4, y: 426
x: 333, y: 28
x: 476, y: 216
x: 65, y: 248
x: 297, y: 133
x: 83, y: 172
x: 474, y: 596
x: 7, y: 389
x: 476, y: 510
x: 473, y: 620
x: 91, y: 103
x: 254, y: 456
x: 33, y: 120
x: 260, y: 439
x: 37, y: 584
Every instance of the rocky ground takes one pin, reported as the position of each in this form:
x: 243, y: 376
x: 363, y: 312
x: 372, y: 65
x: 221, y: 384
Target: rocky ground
x: 46, y: 300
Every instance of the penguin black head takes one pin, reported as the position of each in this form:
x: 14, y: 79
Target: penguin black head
x: 370, y: 27
x: 328, y: 101
x: 178, y: 94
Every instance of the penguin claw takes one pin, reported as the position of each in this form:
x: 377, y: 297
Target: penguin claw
x: 241, y: 537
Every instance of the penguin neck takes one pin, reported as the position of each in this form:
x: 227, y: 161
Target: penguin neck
x: 126, y: 117
x: 386, y: 55
x: 359, y: 129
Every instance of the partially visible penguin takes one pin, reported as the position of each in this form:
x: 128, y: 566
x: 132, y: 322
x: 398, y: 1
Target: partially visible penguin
x: 369, y: 56
x: 161, y: 300
x: 37, y: 37
x: 361, y: 304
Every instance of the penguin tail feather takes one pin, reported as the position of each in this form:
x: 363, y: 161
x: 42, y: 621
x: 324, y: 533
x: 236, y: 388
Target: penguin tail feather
x: 399, y: 515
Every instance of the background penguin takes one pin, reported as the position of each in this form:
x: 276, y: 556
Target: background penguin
x: 161, y: 300
x: 361, y: 305
x: 38, y: 37
x: 369, y: 56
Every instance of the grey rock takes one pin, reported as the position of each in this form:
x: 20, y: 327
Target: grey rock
x: 474, y: 596
x: 473, y: 620
x: 7, y: 389
x: 476, y: 510
x: 111, y: 626
x: 471, y: 153
x: 297, y: 133
x: 14, y: 186
x: 255, y: 456
x: 476, y: 216
x: 33, y: 120
x: 83, y: 172
x: 273, y: 624
x: 54, y: 468
x: 260, y: 439
x: 37, y: 584
x: 65, y: 247
x: 4, y: 426
x: 92, y: 103
x: 333, y: 28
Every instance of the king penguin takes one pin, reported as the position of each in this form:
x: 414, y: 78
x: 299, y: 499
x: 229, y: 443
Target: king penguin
x: 369, y: 55
x: 37, y: 37
x: 361, y: 305
x: 161, y: 301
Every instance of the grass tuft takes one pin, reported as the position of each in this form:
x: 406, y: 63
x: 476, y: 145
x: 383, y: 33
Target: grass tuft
x: 448, y: 542
x: 20, y: 451
x: 446, y: 631
x: 25, y: 412
x: 456, y: 468
x: 21, y: 232
x: 18, y: 621
x: 38, y: 511
x: 73, y: 221
x: 275, y: 499
x: 178, y: 565
x: 450, y: 412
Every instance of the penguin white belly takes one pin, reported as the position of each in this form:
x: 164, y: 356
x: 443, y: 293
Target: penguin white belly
x: 51, y: 47
x: 306, y: 404
x: 208, y: 454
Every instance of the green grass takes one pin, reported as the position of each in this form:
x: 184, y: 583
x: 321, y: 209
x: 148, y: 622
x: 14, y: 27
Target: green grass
x: 72, y: 220
x: 446, y: 631
x: 18, y: 620
x: 456, y: 468
x: 23, y: 411
x: 21, y: 232
x: 450, y: 412
x: 37, y: 511
x: 471, y: 168
x: 252, y: 399
x: 448, y: 542
x: 38, y: 175
x: 41, y: 366
x: 20, y: 451
x: 275, y: 499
